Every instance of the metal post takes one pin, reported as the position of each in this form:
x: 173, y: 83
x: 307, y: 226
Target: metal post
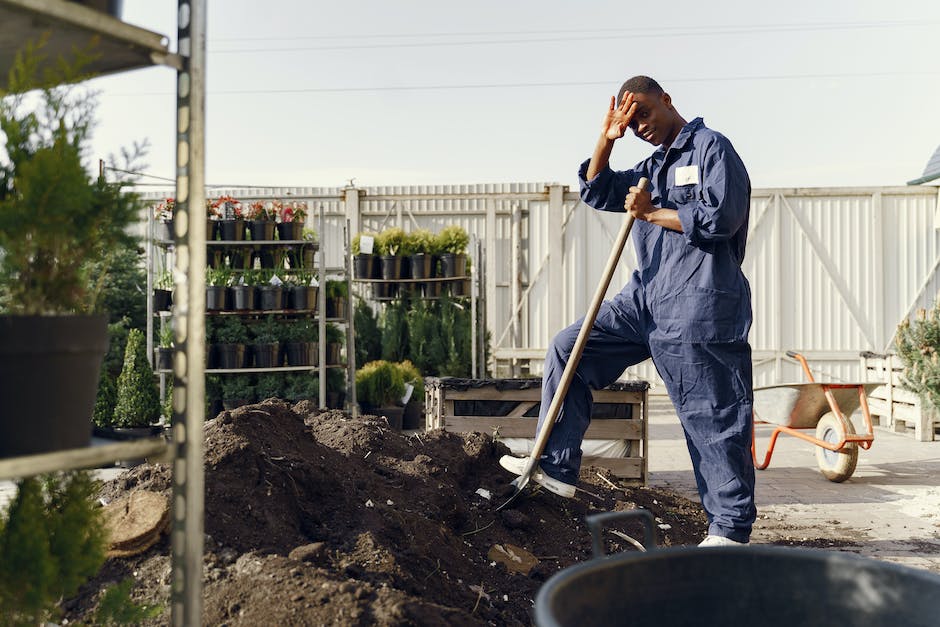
x: 321, y: 318
x: 351, y: 399
x: 474, y: 246
x: 515, y: 287
x: 189, y: 320
x: 489, y: 245
x: 556, y: 247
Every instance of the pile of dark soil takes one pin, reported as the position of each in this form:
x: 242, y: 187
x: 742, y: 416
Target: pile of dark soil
x: 318, y: 518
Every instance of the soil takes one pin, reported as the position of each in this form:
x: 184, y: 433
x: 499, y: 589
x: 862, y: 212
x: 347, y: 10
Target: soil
x: 317, y: 518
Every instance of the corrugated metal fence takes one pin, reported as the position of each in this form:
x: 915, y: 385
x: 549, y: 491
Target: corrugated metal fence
x: 832, y: 271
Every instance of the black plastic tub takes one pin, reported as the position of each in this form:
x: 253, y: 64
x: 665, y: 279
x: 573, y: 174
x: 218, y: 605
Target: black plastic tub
x: 765, y: 586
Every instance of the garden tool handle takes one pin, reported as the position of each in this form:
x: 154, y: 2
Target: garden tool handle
x: 579, y: 344
x: 597, y: 522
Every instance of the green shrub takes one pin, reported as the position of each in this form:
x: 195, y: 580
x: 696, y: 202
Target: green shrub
x: 453, y: 239
x: 918, y: 346
x: 229, y: 330
x: 267, y: 331
x: 419, y: 241
x: 105, y: 400
x: 410, y: 374
x: 357, y: 240
x: 379, y: 384
x: 300, y: 386
x: 389, y: 241
x: 269, y: 385
x: 238, y: 387
x: 337, y: 289
x: 138, y: 399
x: 334, y: 334
x: 52, y: 539
x: 395, y: 330
x: 368, y: 334
x: 300, y: 330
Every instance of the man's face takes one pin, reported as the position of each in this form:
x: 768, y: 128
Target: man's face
x: 654, y: 120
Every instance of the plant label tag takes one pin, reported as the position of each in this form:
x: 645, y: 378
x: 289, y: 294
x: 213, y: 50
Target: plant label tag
x: 409, y: 390
x: 314, y: 282
x: 229, y: 210
x: 275, y: 280
x: 366, y: 244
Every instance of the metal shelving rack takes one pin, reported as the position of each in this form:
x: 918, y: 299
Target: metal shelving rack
x: 125, y: 47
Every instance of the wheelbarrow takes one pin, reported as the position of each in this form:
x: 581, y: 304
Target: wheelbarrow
x: 795, y: 408
x: 770, y: 586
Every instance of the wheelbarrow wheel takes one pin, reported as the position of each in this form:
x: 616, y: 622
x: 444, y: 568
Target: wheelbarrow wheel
x: 838, y: 465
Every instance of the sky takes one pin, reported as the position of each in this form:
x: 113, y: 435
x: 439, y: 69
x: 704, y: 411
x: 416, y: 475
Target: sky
x: 817, y: 93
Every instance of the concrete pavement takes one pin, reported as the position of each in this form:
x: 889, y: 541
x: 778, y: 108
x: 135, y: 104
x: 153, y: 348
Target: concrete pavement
x: 889, y: 509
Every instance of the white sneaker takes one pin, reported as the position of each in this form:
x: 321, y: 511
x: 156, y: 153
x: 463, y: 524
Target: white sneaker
x: 720, y: 541
x: 516, y: 465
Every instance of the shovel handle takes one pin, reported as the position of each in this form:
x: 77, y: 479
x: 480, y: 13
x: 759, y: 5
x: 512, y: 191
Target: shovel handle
x: 574, y: 359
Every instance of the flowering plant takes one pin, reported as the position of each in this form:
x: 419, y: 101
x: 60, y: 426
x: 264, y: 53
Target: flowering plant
x: 293, y: 211
x: 263, y: 210
x: 163, y: 211
x: 217, y: 207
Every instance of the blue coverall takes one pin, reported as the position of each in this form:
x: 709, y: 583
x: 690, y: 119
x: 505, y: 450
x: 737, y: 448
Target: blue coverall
x: 687, y: 306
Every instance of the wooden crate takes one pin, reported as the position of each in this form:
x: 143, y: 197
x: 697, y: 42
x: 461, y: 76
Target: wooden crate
x: 620, y: 413
x: 893, y: 407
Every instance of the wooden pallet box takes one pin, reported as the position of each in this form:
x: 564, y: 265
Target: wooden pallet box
x: 893, y: 407
x: 508, y: 409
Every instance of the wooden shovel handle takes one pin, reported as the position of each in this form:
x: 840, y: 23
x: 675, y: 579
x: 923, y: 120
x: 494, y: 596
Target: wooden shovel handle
x: 579, y: 344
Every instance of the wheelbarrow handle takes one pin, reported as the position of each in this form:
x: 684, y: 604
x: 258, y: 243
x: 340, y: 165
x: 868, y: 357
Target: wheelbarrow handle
x: 597, y: 522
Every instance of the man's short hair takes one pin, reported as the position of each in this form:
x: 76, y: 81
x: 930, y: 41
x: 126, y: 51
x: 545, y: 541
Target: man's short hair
x: 639, y: 85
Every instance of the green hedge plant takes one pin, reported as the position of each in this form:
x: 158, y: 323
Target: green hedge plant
x: 138, y: 398
x: 918, y: 346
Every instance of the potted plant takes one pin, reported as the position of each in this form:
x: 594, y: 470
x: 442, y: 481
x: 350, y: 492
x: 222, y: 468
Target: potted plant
x: 55, y: 221
x: 52, y: 539
x: 138, y: 398
x: 265, y: 346
x: 389, y: 245
x: 300, y: 339
x: 302, y: 386
x: 412, y: 417
x: 363, y: 262
x: 420, y: 247
x: 337, y: 295
x: 163, y: 291
x: 237, y: 390
x: 452, y: 242
x: 213, y: 216
x: 334, y: 344
x: 260, y: 216
x: 217, y: 283
x: 270, y: 290
x: 164, y: 356
x: 213, y: 395
x: 163, y: 220
x: 290, y: 220
x: 229, y: 338
x: 301, y: 294
x: 380, y: 388
x: 231, y: 219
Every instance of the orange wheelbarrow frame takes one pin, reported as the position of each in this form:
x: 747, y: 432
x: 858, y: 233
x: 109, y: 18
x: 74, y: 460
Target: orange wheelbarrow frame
x: 796, y: 408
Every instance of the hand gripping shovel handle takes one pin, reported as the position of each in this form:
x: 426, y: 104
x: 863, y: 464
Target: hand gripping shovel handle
x: 572, y: 365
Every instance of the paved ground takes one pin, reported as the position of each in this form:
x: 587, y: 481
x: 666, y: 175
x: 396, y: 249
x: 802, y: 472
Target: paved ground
x: 889, y: 509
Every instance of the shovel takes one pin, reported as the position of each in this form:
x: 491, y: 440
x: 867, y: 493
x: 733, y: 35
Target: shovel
x: 571, y: 367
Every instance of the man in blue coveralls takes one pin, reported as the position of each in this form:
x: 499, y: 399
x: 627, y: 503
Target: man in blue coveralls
x: 687, y: 306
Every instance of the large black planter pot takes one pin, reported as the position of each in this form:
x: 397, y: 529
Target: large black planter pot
x: 384, y: 291
x: 230, y: 356
x: 243, y: 297
x: 453, y: 265
x: 266, y: 355
x: 391, y: 267
x: 413, y: 416
x: 212, y: 229
x: 336, y: 307
x: 334, y: 353
x: 302, y: 353
x: 421, y: 266
x: 261, y: 230
x: 163, y: 231
x: 164, y: 359
x: 363, y: 265
x: 290, y: 231
x: 162, y: 300
x: 270, y: 297
x: 232, y: 230
x: 216, y: 297
x: 431, y: 289
x: 49, y: 367
x: 301, y: 297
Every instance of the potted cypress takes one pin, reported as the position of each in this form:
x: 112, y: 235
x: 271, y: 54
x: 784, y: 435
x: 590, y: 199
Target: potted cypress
x: 55, y: 221
x: 389, y: 245
x: 138, y: 398
x: 363, y: 262
x: 453, y: 241
x: 237, y: 390
x: 302, y: 386
x: 337, y: 295
x: 300, y: 339
x: 269, y: 385
x: 420, y: 246
x: 229, y: 338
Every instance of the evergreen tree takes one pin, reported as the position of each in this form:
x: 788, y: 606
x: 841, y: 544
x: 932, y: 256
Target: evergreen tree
x: 138, y: 399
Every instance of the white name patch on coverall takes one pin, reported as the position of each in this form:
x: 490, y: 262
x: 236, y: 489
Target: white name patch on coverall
x: 687, y: 175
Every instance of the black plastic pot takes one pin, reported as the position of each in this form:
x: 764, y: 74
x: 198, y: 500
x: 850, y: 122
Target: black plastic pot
x: 230, y: 356
x: 384, y: 291
x: 216, y: 298
x: 336, y: 307
x: 49, y: 368
x: 770, y: 586
x: 162, y: 300
x: 421, y: 266
x: 334, y: 353
x: 391, y: 267
x: 232, y: 230
x: 270, y: 297
x: 243, y: 297
x: 431, y: 289
x: 290, y: 231
x: 363, y: 265
x: 164, y: 359
x: 301, y: 297
x: 453, y: 265
x: 266, y: 355
x: 301, y: 353
x: 261, y: 230
x: 212, y: 229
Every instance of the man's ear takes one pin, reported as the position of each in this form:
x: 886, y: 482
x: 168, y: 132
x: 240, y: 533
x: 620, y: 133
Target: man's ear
x: 667, y: 100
